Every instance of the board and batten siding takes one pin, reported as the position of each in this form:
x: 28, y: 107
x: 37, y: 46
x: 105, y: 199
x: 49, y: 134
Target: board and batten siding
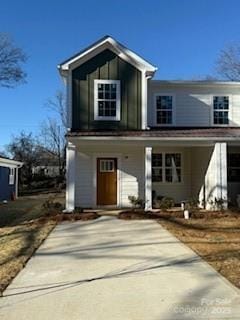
x: 130, y: 175
x: 106, y: 66
x: 193, y: 103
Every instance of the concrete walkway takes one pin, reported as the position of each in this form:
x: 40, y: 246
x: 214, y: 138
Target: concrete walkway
x: 111, y: 269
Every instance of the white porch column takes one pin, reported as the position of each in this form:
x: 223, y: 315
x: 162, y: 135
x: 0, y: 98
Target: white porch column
x: 216, y: 177
x: 221, y: 150
x: 16, y: 182
x: 70, y: 177
x: 148, y: 178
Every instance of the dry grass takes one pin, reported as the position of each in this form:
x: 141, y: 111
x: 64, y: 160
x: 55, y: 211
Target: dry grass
x: 23, y: 228
x: 216, y: 240
x: 17, y: 244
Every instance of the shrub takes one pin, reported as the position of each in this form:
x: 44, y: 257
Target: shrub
x: 164, y: 203
x: 192, y: 204
x: 136, y: 202
x: 52, y: 207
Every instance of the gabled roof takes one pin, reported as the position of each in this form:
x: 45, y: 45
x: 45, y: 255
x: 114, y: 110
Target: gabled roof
x: 100, y: 45
x: 6, y: 162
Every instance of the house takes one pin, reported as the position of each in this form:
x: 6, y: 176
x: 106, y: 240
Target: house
x: 131, y: 135
x: 9, y: 178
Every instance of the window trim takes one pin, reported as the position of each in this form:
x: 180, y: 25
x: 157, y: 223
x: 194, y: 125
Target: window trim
x: 164, y: 168
x: 229, y: 110
x: 163, y: 94
x: 11, y: 176
x: 118, y: 102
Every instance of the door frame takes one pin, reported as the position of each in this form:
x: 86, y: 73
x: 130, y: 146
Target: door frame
x: 118, y: 156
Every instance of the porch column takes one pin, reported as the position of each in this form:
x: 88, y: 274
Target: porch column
x: 216, y: 177
x: 148, y: 178
x: 70, y: 177
x: 221, y: 159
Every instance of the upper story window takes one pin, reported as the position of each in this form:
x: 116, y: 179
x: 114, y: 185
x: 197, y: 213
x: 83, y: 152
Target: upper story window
x: 107, y: 100
x: 221, y: 110
x: 164, y: 109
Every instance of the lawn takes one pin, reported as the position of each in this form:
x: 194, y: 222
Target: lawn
x: 215, y: 239
x: 22, y: 229
x: 215, y: 236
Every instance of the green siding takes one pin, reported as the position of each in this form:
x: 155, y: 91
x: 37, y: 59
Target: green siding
x: 106, y: 65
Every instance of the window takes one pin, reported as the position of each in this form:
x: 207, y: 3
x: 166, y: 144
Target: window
x: 106, y: 165
x: 157, y: 167
x: 166, y: 167
x: 233, y: 167
x: 164, y: 110
x: 107, y: 100
x: 221, y: 110
x: 11, y: 175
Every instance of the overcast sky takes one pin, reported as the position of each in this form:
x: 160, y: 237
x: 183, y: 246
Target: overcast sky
x: 181, y: 37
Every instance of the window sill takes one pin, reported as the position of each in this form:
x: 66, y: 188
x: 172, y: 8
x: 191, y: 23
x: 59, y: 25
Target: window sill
x: 106, y: 119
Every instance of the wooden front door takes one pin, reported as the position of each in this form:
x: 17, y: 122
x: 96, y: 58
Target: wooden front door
x: 106, y: 181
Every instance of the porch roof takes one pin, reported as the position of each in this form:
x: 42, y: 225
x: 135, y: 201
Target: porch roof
x: 178, y: 132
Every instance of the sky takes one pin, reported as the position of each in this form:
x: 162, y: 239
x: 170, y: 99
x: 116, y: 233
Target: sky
x: 182, y: 38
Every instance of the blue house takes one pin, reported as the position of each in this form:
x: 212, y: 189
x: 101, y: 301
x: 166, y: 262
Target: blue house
x: 9, y: 178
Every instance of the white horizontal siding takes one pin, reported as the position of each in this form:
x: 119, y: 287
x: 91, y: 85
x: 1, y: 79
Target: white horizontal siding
x: 131, y: 173
x: 193, y: 104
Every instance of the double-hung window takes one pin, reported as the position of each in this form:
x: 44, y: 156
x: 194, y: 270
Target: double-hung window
x: 167, y: 167
x: 107, y: 100
x: 164, y: 109
x: 221, y: 110
x: 233, y: 167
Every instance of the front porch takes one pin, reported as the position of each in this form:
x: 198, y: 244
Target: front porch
x: 181, y: 171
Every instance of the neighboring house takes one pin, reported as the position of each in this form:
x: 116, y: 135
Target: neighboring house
x: 9, y: 178
x: 131, y: 135
x: 46, y: 165
x: 46, y: 170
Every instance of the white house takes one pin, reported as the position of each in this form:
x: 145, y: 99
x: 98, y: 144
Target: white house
x: 129, y: 134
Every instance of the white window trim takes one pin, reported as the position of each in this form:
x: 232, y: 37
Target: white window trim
x: 173, y: 109
x: 164, y: 168
x: 11, y: 176
x: 229, y: 110
x: 118, y: 100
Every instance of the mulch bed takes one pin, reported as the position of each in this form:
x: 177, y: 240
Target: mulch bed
x: 198, y: 214
x: 83, y: 216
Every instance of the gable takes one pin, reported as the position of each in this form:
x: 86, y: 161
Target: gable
x: 106, y: 42
x: 106, y: 65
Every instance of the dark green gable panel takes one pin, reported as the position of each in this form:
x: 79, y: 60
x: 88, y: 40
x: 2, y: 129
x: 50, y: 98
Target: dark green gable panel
x: 106, y: 65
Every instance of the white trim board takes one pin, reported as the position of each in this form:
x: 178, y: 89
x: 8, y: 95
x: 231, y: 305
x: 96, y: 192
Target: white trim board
x: 118, y: 100
x: 102, y: 44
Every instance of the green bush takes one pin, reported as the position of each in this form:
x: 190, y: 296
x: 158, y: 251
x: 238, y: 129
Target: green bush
x: 136, y: 202
x: 164, y: 203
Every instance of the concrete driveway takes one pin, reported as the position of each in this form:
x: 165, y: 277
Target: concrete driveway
x: 111, y: 269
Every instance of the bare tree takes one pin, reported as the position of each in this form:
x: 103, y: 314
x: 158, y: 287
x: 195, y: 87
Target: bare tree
x: 11, y: 58
x: 52, y: 137
x: 53, y: 129
x: 24, y: 148
x: 228, y: 63
x: 57, y: 104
